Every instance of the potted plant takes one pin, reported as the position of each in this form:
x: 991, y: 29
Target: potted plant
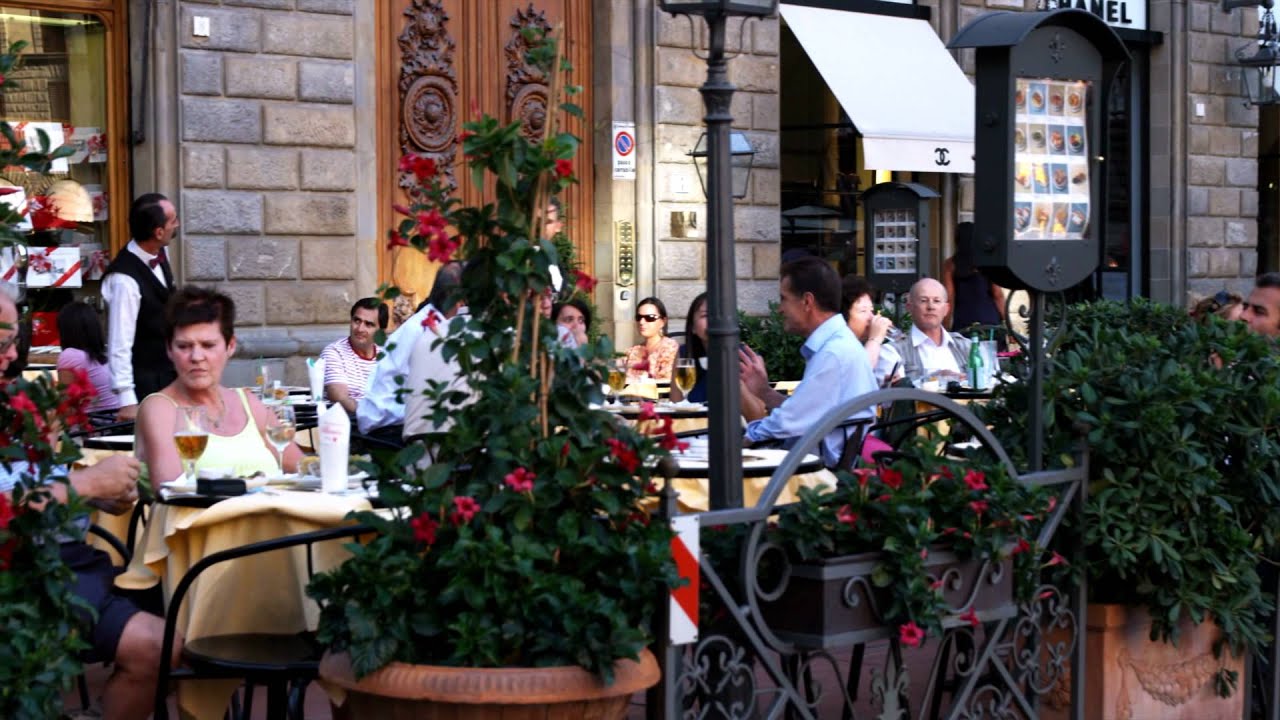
x: 1183, y: 504
x: 923, y: 543
x: 520, y: 567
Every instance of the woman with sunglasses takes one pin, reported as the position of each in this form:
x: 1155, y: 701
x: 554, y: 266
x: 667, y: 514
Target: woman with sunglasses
x: 655, y: 356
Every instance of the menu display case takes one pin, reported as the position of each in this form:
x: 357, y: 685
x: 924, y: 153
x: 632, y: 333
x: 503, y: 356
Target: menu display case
x: 1051, y: 154
x: 894, y: 248
x: 896, y: 228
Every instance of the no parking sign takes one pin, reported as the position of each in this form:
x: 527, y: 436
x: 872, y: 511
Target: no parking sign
x: 624, y: 151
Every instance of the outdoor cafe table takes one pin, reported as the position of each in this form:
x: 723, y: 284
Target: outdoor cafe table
x: 265, y: 593
x: 758, y: 465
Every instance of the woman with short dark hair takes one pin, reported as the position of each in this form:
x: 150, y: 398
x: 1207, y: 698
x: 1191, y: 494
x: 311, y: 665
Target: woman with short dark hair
x: 200, y: 340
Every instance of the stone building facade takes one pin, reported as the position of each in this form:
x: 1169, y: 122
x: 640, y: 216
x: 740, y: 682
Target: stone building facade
x: 266, y: 132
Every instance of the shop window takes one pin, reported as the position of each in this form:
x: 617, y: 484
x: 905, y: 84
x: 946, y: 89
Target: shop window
x: 1121, y: 273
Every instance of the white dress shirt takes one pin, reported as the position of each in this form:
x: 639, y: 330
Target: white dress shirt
x: 383, y: 404
x: 124, y: 298
x: 933, y: 357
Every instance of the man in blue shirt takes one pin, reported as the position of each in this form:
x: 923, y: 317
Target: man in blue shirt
x: 836, y: 368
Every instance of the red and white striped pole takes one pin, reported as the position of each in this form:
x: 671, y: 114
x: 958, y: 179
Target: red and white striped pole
x: 683, y: 627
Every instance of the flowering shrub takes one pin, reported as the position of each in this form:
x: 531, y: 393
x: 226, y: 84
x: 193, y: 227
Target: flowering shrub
x: 919, y: 504
x: 526, y: 543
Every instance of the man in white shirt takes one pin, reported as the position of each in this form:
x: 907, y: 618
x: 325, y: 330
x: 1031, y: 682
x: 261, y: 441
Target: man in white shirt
x: 136, y: 287
x: 382, y: 407
x: 928, y: 346
x: 350, y: 361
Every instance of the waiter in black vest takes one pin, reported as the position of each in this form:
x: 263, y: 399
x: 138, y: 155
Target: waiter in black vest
x: 136, y: 287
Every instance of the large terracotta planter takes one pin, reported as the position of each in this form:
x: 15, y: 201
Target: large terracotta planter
x: 833, y: 602
x: 401, y: 691
x: 1130, y: 677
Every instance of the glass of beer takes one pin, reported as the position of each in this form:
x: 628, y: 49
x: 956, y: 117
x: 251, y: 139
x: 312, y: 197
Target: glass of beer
x: 191, y: 436
x: 686, y: 376
x: 281, y: 432
x: 617, y: 377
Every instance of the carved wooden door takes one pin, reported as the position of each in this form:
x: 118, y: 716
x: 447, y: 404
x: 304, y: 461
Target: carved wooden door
x: 443, y: 60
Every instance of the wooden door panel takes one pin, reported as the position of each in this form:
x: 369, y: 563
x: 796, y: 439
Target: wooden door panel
x: 446, y: 60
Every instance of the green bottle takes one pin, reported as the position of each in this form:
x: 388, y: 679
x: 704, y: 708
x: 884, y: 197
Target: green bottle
x: 975, y: 362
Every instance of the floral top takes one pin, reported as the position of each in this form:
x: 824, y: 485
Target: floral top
x: 659, y: 364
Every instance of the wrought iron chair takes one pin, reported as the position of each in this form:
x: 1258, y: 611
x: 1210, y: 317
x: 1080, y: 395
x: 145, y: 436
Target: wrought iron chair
x: 283, y: 663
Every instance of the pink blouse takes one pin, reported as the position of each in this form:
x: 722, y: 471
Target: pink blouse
x: 99, y: 375
x: 658, y: 364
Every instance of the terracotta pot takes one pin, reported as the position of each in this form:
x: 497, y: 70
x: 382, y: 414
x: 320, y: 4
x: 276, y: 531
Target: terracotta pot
x: 400, y: 691
x: 1131, y: 677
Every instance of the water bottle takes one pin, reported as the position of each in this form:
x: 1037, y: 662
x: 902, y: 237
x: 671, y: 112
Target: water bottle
x: 975, y: 363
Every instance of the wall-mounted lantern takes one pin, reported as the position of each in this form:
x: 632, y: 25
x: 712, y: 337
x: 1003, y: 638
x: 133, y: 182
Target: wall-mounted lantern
x: 741, y: 158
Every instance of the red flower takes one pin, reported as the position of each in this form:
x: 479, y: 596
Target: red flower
x: 442, y: 247
x: 583, y: 281
x: 21, y: 403
x: 647, y: 412
x: 6, y: 553
x: 864, y: 476
x: 6, y: 511
x: 671, y: 443
x: 564, y: 168
x: 1021, y: 547
x: 979, y: 506
x: 7, y: 190
x: 623, y: 454
x: 892, y: 478
x: 464, y: 508
x: 1053, y: 502
x: 936, y: 584
x: 1056, y: 560
x: 422, y: 167
x: 396, y: 240
x: 424, y: 529
x: 847, y: 516
x: 976, y: 480
x: 431, y: 321
x: 520, y: 480
x: 910, y: 634
x: 970, y: 617
x: 946, y: 472
x: 564, y: 450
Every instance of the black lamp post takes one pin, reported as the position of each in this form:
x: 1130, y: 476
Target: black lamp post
x: 722, y: 321
x: 1259, y: 73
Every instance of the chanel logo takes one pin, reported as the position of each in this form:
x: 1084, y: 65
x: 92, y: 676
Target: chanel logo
x: 942, y: 156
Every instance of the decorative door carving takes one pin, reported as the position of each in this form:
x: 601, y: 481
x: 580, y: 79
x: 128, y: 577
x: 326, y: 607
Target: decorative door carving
x: 443, y: 61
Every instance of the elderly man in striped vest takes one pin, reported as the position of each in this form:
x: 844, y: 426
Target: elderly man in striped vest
x: 928, y: 347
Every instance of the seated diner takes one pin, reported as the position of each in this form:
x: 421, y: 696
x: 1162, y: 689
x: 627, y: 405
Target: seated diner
x: 655, y: 355
x: 200, y: 339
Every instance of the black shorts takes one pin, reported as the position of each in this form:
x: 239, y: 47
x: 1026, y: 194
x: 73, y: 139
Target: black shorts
x: 95, y: 576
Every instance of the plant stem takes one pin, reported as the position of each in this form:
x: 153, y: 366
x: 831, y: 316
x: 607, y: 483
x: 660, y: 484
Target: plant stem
x: 515, y: 348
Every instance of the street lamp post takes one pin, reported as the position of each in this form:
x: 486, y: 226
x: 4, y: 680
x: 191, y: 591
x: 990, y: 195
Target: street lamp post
x: 725, y: 459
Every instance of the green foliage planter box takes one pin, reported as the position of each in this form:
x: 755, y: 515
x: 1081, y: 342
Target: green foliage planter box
x: 835, y: 602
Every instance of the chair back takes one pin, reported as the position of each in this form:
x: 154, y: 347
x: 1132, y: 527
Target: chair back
x: 184, y: 585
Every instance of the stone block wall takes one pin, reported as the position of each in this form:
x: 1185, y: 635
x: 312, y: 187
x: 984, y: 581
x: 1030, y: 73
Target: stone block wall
x: 1221, y: 154
x: 680, y: 262
x: 268, y: 133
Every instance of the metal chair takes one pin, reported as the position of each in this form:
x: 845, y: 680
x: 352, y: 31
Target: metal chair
x: 283, y: 663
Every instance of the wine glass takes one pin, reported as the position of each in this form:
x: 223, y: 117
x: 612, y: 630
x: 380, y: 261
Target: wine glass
x: 191, y: 436
x: 281, y: 432
x: 686, y: 376
x: 617, y: 377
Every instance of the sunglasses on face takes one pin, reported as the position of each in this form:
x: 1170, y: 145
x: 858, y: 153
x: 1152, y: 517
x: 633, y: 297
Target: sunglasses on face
x: 648, y: 318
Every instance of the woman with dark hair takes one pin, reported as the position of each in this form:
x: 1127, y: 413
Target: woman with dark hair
x: 84, y: 349
x: 655, y: 356
x: 695, y: 348
x: 200, y: 339
x: 575, y: 317
x: 975, y: 300
x: 857, y: 301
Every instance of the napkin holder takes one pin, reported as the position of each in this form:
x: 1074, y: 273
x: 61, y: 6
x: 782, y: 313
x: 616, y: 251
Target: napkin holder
x: 220, y: 487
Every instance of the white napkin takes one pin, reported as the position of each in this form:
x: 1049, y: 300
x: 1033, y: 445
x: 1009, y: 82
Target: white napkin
x: 335, y: 445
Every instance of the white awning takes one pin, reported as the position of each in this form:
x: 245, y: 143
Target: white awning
x: 897, y: 82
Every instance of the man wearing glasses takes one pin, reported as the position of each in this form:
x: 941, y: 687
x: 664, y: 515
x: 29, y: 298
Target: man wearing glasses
x: 117, y: 630
x: 1262, y: 307
x: 928, y: 348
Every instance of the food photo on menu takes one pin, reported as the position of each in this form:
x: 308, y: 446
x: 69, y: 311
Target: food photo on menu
x: 1051, y: 174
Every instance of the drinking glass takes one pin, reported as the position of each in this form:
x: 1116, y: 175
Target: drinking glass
x: 617, y: 377
x: 281, y: 432
x: 191, y: 436
x: 263, y: 381
x: 686, y: 376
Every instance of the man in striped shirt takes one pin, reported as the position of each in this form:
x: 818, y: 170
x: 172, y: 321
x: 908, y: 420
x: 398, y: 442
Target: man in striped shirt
x: 349, y: 362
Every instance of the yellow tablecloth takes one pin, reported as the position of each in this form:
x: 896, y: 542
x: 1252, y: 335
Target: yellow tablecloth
x: 265, y: 593
x: 695, y: 492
